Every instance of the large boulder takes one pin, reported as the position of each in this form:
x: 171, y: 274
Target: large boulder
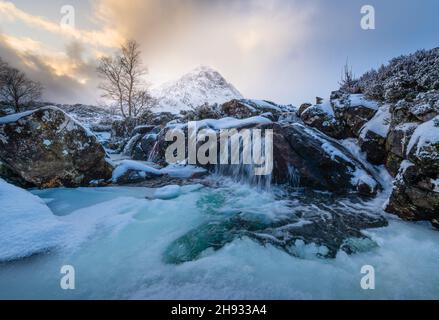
x: 416, y: 192
x: 307, y: 158
x: 423, y: 148
x: 373, y: 136
x: 322, y: 117
x: 396, y: 145
x: 302, y: 157
x: 47, y: 148
x: 122, y: 129
x: 415, y: 195
x: 246, y: 108
x: 353, y: 111
x: 342, y: 116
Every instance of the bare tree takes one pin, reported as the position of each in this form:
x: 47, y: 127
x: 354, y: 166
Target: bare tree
x: 17, y: 89
x: 122, y: 75
x: 110, y: 69
x: 141, y: 101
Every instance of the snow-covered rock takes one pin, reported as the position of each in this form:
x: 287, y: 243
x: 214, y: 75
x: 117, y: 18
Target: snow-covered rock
x: 305, y: 157
x: 200, y: 86
x: 245, y: 108
x: 47, y: 148
x: 27, y: 226
x: 322, y: 117
x: 414, y: 196
x: 130, y: 171
x: 373, y: 136
x: 423, y: 147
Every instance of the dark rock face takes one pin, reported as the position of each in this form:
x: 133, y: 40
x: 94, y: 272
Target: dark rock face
x: 373, y: 136
x: 415, y: 196
x: 46, y: 148
x: 204, y: 111
x: 396, y: 145
x: 318, y: 161
x: 244, y: 108
x: 302, y: 157
x: 123, y: 128
x: 157, y: 119
x: 343, y: 116
x: 237, y: 109
x: 352, y: 111
x: 303, y: 107
x: 416, y: 192
x: 318, y: 117
x: 374, y: 145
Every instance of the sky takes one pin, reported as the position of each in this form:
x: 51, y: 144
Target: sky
x: 287, y: 51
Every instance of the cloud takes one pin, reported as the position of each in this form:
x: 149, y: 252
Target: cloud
x: 249, y: 41
x: 67, y: 78
x: 105, y: 37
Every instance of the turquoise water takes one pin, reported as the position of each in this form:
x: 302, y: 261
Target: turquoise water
x: 118, y: 241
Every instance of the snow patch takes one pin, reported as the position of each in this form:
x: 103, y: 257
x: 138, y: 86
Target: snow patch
x: 379, y: 124
x: 224, y: 123
x: 172, y: 191
x: 427, y: 134
x: 356, y: 100
x: 27, y: 225
x: 15, y: 117
x: 173, y: 170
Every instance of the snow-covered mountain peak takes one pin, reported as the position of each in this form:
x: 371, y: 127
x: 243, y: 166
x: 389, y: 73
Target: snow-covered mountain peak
x: 202, y: 85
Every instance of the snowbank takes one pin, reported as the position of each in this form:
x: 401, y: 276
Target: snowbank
x: 27, y: 225
x: 127, y: 165
x: 174, y: 170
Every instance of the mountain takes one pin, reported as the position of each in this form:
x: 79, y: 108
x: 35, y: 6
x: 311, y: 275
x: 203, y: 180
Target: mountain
x: 195, y: 88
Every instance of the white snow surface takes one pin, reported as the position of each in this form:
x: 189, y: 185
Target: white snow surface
x: 379, y: 124
x: 172, y: 191
x: 356, y: 100
x: 425, y: 135
x: 27, y: 225
x: 200, y: 86
x: 15, y: 117
x: 173, y: 170
x: 223, y: 123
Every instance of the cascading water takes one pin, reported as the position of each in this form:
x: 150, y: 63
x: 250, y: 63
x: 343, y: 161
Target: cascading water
x: 241, y: 166
x: 152, y: 156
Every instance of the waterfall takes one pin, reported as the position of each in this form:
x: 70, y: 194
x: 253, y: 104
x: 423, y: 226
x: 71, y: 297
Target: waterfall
x: 152, y: 156
x: 240, y: 162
